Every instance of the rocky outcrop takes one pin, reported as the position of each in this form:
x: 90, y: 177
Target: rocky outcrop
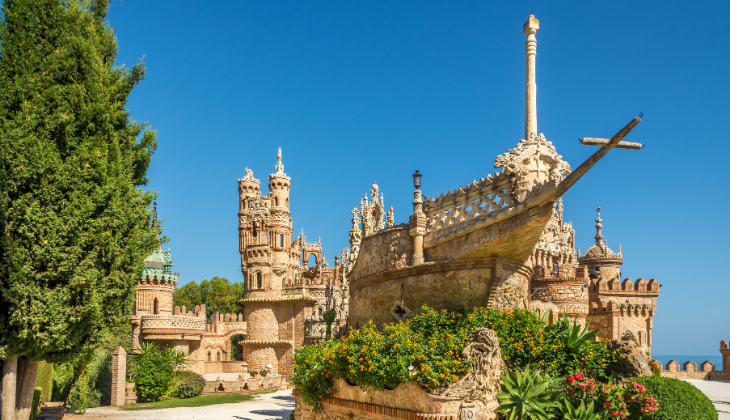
x: 633, y: 363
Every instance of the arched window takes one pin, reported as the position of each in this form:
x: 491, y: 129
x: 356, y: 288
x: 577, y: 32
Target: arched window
x: 259, y: 280
x: 281, y: 240
x: 287, y: 202
x: 209, y: 359
x: 319, y: 312
x: 276, y: 201
x: 155, y: 307
x: 218, y: 356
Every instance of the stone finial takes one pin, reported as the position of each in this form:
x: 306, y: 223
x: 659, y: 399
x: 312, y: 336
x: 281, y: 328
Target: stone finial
x: 391, y: 218
x: 599, y: 226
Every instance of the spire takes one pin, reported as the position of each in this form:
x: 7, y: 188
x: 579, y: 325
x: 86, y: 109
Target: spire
x: 390, y: 220
x: 530, y: 28
x: 599, y: 236
x: 279, y: 168
x: 155, y: 224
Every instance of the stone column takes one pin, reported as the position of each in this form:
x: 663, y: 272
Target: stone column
x: 417, y: 225
x: 530, y: 28
x: 119, y: 376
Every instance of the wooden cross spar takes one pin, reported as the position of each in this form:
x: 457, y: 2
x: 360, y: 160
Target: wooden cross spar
x: 590, y: 141
x: 615, y: 142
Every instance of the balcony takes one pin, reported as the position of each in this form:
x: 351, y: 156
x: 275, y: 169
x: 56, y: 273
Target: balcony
x: 172, y: 322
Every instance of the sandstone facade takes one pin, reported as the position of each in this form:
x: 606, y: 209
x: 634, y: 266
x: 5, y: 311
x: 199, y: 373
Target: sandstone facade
x: 285, y: 298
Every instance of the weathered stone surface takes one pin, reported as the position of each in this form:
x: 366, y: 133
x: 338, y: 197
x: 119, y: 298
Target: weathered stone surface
x: 633, y: 363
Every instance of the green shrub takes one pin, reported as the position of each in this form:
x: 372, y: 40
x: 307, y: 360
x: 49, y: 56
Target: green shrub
x: 185, y: 384
x: 154, y: 371
x: 44, y: 380
x: 263, y: 373
x: 84, y: 395
x: 63, y: 379
x: 676, y: 399
x: 427, y: 349
x: 36, y: 401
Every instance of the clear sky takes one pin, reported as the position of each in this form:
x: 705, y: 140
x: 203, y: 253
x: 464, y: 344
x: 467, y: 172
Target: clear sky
x: 356, y: 92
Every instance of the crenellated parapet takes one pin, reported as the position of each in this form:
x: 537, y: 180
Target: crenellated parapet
x: 705, y: 371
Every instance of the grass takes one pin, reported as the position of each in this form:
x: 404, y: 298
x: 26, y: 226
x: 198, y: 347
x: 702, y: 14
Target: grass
x: 192, y: 402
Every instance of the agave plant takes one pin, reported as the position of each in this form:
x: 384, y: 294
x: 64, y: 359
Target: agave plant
x: 527, y: 395
x: 576, y: 337
x: 583, y: 412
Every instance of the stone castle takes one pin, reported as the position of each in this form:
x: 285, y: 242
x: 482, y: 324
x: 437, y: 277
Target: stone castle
x: 285, y: 299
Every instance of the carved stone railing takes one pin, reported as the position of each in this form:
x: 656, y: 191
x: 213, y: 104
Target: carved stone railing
x: 173, y: 322
x: 467, y: 202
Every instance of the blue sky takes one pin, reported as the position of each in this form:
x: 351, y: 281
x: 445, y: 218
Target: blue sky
x: 356, y: 92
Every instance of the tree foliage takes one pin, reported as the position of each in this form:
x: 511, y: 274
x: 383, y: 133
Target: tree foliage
x: 218, y: 295
x: 74, y: 225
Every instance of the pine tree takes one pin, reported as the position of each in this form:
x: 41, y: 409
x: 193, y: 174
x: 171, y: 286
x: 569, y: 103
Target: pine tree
x: 74, y: 222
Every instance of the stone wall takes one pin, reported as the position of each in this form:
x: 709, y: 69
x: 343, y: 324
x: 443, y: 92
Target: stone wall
x: 146, y: 295
x: 706, y: 370
x: 689, y: 370
x: 386, y: 250
x: 451, y: 284
x: 439, y: 285
x: 244, y: 385
x: 407, y: 401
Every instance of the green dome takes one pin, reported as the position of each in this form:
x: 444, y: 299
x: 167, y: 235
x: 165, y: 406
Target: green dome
x: 159, y: 266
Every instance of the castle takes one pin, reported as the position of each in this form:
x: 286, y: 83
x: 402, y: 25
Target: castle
x: 284, y: 302
x: 154, y: 319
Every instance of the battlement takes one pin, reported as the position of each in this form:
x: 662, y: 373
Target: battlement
x: 161, y: 282
x: 641, y: 286
x: 706, y: 370
x: 198, y: 311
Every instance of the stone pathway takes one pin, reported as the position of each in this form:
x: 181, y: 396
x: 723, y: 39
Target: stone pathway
x: 277, y: 405
x: 719, y: 394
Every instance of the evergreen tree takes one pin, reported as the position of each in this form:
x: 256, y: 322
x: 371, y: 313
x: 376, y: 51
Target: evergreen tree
x: 74, y: 224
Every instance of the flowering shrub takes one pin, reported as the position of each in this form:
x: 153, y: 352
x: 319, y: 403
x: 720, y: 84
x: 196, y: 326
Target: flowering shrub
x: 676, y: 400
x: 618, y: 401
x: 427, y: 349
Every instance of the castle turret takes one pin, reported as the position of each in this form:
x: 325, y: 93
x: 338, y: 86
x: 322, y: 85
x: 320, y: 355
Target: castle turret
x: 601, y: 261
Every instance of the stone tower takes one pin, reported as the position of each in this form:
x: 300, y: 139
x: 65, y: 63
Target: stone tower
x: 280, y: 295
x: 619, y: 309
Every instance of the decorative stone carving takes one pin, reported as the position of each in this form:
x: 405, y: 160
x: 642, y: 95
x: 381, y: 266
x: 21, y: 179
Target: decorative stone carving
x: 481, y: 384
x: 400, y: 311
x: 172, y: 321
x: 557, y: 240
x: 533, y: 162
x: 372, y: 210
x: 279, y: 169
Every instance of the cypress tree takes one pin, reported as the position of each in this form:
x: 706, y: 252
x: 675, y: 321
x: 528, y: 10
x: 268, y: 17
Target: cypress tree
x: 74, y: 220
